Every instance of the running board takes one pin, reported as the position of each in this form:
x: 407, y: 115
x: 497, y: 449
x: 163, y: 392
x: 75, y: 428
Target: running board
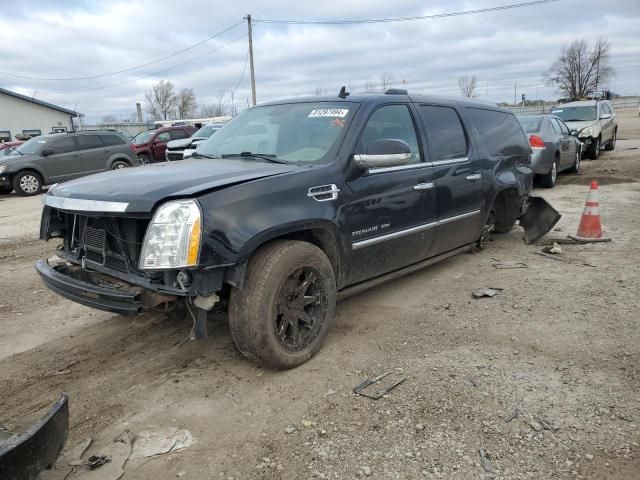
x: 374, y: 282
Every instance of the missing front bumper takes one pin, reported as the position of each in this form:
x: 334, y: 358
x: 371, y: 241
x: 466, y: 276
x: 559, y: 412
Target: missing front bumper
x: 539, y: 218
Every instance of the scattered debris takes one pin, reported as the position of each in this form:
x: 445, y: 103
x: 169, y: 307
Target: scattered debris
x: 515, y: 414
x: 96, y: 461
x: 548, y: 255
x: 331, y: 391
x: 487, y: 292
x: 554, y: 249
x: 359, y: 389
x: 509, y: 265
x: 181, y: 473
x: 150, y: 443
x: 484, y: 460
x: 61, y: 372
x: 231, y: 396
x: 76, y: 453
x: 366, y: 471
x: 535, y: 425
x: 622, y: 417
x: 546, y: 424
x: 290, y: 429
x: 472, y: 382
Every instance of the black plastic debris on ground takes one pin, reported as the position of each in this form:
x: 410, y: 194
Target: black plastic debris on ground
x: 360, y: 388
x: 95, y: 461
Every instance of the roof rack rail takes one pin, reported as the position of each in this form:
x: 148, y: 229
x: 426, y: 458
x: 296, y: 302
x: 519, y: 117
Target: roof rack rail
x: 397, y: 91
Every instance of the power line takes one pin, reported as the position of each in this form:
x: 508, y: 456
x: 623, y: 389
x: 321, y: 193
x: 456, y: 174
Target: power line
x: 405, y: 19
x: 102, y: 87
x: 91, y: 77
x: 244, y: 67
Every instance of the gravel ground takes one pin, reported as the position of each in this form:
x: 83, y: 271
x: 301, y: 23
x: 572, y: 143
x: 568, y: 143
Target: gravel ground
x: 543, y: 378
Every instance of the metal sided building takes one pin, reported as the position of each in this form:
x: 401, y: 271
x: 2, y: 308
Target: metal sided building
x: 20, y: 114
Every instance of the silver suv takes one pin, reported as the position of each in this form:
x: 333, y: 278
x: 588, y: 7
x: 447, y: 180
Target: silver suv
x: 594, y: 121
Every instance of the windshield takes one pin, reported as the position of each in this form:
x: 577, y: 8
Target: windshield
x: 293, y: 133
x: 142, y: 137
x: 530, y: 124
x: 205, y: 131
x: 29, y: 147
x: 576, y: 114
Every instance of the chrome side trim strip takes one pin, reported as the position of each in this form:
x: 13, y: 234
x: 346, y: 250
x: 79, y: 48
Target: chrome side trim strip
x: 450, y: 161
x: 82, y: 205
x: 409, y: 231
x: 398, y: 168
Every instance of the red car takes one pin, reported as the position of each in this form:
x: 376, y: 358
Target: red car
x: 7, y: 147
x: 150, y: 145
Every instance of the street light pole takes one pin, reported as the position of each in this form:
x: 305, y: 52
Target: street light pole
x: 253, y: 75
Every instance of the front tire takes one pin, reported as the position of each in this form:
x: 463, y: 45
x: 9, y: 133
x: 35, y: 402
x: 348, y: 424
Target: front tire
x: 286, y: 306
x: 576, y: 164
x: 549, y: 180
x: 27, y: 183
x: 612, y: 144
x: 594, y: 149
x: 144, y: 159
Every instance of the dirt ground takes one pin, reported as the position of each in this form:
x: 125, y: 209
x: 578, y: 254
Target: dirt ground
x: 543, y: 377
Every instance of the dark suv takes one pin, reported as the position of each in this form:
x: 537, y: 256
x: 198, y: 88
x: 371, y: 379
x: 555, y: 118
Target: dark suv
x: 58, y: 157
x: 150, y: 145
x: 289, y: 207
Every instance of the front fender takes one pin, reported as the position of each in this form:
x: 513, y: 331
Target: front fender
x: 28, y: 166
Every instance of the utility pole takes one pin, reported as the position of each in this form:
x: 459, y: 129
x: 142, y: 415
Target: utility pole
x: 253, y: 75
x: 515, y: 98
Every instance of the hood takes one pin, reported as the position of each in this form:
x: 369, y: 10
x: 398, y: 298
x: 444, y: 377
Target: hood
x: 180, y: 143
x: 17, y: 158
x: 143, y: 187
x: 580, y: 125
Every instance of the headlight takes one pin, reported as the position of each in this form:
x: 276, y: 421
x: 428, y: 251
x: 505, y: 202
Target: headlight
x: 2, y: 168
x: 173, y: 237
x: 586, y: 132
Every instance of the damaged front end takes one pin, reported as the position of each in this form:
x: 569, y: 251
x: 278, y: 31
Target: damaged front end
x: 538, y: 218
x: 24, y: 455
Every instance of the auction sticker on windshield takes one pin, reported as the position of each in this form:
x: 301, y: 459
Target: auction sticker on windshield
x: 329, y: 112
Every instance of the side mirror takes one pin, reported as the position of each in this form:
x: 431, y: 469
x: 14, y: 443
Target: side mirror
x: 604, y: 116
x: 384, y: 153
x: 573, y: 133
x: 47, y: 151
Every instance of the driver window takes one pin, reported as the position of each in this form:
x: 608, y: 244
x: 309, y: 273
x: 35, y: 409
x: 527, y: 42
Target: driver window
x: 391, y: 122
x: 163, y: 137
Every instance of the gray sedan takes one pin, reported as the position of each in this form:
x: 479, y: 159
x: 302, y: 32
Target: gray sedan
x: 554, y: 148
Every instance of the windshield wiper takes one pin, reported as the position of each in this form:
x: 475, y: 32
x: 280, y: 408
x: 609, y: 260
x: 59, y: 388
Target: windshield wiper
x: 197, y: 154
x: 16, y: 150
x: 262, y: 156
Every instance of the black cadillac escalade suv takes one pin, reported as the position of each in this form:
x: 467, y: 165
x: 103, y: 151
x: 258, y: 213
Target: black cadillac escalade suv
x: 288, y: 207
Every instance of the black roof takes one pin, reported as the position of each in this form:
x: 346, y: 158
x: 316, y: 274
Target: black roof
x: 385, y: 97
x: 40, y: 102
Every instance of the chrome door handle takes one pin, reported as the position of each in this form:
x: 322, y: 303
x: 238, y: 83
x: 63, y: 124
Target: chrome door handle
x: 423, y: 186
x: 473, y: 177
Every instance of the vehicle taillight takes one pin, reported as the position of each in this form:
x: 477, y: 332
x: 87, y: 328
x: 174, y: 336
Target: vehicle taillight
x: 536, y: 142
x: 133, y: 149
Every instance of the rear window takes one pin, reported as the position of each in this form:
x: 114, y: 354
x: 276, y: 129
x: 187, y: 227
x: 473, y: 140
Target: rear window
x: 87, y: 142
x: 111, y: 140
x: 530, y: 124
x: 447, y: 139
x: 178, y: 134
x: 500, y: 132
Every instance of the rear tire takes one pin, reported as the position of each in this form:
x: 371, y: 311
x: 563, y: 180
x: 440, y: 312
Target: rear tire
x: 286, y: 306
x: 119, y: 164
x: 594, y: 149
x: 144, y: 159
x: 549, y: 180
x: 503, y: 216
x: 612, y: 144
x: 27, y: 183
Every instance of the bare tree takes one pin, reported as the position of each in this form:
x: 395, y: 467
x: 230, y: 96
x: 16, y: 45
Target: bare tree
x: 580, y: 70
x: 219, y: 108
x: 161, y: 101
x: 109, y: 119
x: 369, y: 85
x: 386, y: 79
x: 187, y: 103
x: 468, y: 85
x: 318, y: 91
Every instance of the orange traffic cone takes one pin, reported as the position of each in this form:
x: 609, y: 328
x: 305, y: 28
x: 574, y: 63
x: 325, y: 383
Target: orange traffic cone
x: 590, y: 228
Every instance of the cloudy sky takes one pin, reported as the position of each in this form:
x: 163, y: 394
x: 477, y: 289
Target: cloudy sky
x: 86, y: 38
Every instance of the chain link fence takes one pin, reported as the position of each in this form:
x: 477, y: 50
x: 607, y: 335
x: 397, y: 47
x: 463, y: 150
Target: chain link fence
x: 128, y: 129
x: 618, y: 104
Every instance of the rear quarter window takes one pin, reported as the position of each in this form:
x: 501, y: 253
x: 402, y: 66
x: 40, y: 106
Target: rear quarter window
x: 447, y: 137
x: 500, y: 132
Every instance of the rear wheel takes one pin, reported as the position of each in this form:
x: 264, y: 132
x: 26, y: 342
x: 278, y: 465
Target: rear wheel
x: 594, y: 149
x: 144, y: 159
x: 27, y: 183
x: 612, y: 144
x: 504, y: 213
x: 549, y: 180
x: 119, y: 164
x: 283, y: 312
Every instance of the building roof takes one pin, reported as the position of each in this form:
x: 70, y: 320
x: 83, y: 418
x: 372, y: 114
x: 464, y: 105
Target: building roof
x: 40, y: 102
